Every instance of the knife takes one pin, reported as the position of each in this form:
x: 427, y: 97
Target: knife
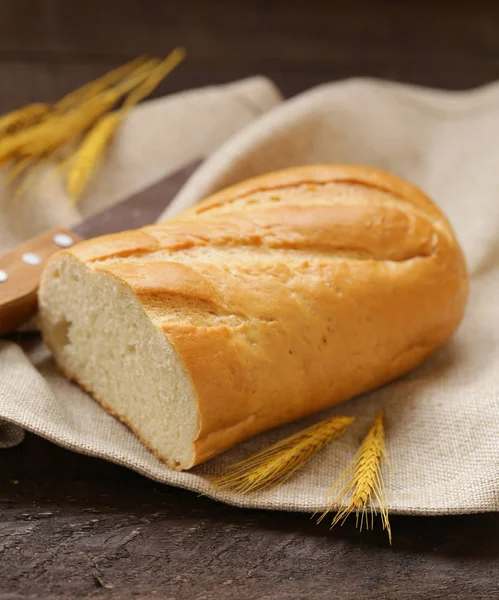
x: 21, y: 269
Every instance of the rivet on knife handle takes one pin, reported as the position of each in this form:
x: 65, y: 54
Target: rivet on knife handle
x: 20, y: 272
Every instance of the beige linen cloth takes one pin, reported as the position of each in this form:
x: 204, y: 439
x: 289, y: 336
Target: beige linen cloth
x: 442, y: 420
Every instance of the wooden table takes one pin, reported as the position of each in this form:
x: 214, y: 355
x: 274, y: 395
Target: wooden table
x: 73, y: 526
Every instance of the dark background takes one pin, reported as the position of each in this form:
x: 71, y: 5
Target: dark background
x: 73, y: 526
x: 48, y: 47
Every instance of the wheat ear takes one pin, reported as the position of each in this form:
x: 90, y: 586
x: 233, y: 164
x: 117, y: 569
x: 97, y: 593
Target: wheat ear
x: 85, y: 161
x: 163, y: 69
x: 49, y: 135
x: 274, y: 465
x: 55, y: 131
x: 91, y: 89
x: 23, y: 117
x: 361, y: 483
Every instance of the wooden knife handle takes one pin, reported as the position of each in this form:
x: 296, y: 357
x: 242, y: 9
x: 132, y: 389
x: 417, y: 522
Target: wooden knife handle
x: 20, y: 272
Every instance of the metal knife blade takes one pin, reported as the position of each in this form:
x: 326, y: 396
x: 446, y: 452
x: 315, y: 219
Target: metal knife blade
x: 138, y: 210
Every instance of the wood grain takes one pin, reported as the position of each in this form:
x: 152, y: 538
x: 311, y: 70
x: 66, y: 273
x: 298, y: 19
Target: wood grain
x: 74, y: 526
x: 18, y: 294
x: 71, y: 525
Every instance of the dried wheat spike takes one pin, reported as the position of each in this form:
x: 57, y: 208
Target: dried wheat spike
x: 91, y: 89
x: 22, y: 117
x: 274, y: 465
x: 86, y: 159
x: 59, y: 129
x: 361, y: 483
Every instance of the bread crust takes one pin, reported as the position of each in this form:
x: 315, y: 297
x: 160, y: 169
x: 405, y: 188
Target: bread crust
x: 292, y: 292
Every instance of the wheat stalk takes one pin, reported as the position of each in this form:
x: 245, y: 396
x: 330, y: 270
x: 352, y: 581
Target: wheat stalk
x: 274, y: 465
x: 163, y: 69
x: 85, y: 160
x: 40, y: 133
x: 361, y: 483
x: 55, y: 131
x: 49, y: 135
x: 17, y: 169
x: 22, y: 117
x: 56, y: 128
x: 84, y: 163
x: 58, y: 131
x: 30, y: 173
x: 91, y: 89
x: 33, y: 113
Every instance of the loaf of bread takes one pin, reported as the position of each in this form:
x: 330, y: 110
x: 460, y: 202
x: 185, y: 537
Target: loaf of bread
x: 273, y: 299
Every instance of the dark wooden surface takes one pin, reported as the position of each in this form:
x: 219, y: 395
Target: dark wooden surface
x: 73, y: 526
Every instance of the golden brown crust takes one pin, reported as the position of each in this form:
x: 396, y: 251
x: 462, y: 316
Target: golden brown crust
x: 294, y: 291
x: 321, y: 174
